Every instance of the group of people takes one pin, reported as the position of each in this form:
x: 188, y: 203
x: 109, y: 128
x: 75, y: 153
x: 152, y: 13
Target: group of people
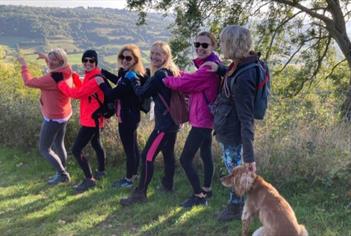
x: 133, y: 83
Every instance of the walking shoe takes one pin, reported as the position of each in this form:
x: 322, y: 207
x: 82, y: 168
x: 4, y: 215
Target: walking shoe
x: 194, y: 201
x: 122, y: 183
x: 137, y: 196
x: 231, y: 212
x: 85, y: 185
x: 99, y: 174
x: 207, y: 193
x: 59, y: 178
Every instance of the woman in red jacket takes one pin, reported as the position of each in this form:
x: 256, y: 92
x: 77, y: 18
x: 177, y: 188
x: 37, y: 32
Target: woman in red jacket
x: 90, y: 128
x: 56, y: 110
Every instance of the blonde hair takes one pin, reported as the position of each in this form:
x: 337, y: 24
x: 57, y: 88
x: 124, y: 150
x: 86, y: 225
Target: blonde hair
x: 169, y: 63
x: 135, y: 50
x: 236, y: 42
x: 210, y: 36
x: 61, y: 56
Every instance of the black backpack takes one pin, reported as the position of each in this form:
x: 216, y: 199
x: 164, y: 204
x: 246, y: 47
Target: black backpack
x: 107, y: 108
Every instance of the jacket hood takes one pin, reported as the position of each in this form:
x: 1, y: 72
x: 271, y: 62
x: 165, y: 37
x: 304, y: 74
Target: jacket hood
x: 212, y: 57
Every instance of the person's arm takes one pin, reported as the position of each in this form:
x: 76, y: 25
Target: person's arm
x: 190, y: 82
x: 244, y: 91
x: 44, y: 82
x: 86, y: 89
x: 149, y: 88
x: 110, y: 76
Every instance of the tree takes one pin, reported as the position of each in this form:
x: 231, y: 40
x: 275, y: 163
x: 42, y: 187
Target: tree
x: 287, y: 32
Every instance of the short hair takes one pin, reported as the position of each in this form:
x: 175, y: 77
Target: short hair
x: 169, y: 63
x: 210, y: 36
x: 236, y: 42
x: 60, y: 55
x: 135, y: 50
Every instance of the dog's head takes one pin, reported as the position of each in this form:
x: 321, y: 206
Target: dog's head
x: 240, y: 180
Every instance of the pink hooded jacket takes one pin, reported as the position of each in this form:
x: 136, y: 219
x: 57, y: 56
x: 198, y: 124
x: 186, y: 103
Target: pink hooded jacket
x: 200, y: 85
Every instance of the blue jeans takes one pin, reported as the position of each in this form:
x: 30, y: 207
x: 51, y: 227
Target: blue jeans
x: 232, y: 157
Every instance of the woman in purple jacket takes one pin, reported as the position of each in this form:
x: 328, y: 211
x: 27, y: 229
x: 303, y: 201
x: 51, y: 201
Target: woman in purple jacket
x: 202, y: 87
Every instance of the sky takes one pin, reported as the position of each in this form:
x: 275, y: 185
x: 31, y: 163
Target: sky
x: 67, y: 3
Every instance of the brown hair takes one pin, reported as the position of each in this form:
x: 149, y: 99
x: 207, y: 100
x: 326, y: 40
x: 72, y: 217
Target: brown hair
x: 134, y: 49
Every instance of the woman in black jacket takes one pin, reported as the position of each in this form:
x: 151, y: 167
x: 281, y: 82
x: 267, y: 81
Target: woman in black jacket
x: 128, y: 108
x: 164, y: 135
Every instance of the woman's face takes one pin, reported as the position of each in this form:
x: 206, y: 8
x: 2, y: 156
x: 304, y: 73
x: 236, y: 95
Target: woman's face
x: 157, y: 57
x: 89, y: 63
x: 203, y: 46
x: 127, y: 60
x: 53, y: 61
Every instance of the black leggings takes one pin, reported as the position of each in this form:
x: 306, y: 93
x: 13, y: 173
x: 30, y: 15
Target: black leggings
x: 128, y: 134
x: 85, y: 135
x: 198, y: 138
x: 158, y: 141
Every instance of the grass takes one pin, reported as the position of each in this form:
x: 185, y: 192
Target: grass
x: 29, y: 207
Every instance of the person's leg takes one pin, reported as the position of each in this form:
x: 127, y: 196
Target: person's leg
x: 48, y: 134
x: 232, y: 156
x: 128, y: 137
x: 206, y: 156
x: 100, y: 154
x: 59, y: 144
x: 192, y: 144
x: 169, y: 160
x: 85, y: 134
x: 148, y: 155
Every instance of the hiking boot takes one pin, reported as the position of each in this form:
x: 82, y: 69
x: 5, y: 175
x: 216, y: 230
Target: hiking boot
x: 136, y: 196
x: 194, y: 201
x: 59, y: 178
x: 231, y: 212
x: 122, y: 183
x: 85, y: 185
x: 99, y: 174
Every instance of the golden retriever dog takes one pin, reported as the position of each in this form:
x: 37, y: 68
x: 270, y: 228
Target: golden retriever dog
x: 274, y: 212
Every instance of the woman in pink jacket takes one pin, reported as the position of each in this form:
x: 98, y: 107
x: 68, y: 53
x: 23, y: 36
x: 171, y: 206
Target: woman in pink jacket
x: 202, y: 87
x: 56, y: 110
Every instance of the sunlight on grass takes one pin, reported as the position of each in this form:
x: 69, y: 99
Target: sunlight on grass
x: 190, y: 214
x: 161, y: 219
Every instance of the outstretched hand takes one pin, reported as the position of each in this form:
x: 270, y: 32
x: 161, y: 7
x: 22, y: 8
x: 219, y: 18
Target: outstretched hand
x: 210, y: 65
x: 131, y: 75
x: 99, y: 80
x: 57, y: 76
x: 21, y: 60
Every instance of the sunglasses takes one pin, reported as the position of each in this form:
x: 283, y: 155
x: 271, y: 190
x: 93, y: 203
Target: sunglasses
x: 203, y: 45
x: 128, y: 58
x: 85, y: 60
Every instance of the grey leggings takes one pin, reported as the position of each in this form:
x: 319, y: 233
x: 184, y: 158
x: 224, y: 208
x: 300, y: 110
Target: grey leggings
x: 51, y: 144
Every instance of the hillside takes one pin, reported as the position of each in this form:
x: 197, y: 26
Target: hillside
x: 77, y: 29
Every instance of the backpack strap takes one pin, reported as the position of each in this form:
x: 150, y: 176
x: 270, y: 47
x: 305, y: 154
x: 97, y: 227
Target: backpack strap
x: 240, y: 71
x: 162, y: 98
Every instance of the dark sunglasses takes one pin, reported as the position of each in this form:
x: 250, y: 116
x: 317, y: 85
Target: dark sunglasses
x: 203, y: 45
x: 85, y: 60
x: 128, y: 58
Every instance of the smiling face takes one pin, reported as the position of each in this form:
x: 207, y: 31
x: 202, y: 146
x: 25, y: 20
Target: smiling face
x: 157, y: 57
x: 89, y: 63
x: 203, y: 46
x: 127, y: 60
